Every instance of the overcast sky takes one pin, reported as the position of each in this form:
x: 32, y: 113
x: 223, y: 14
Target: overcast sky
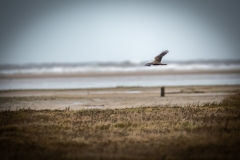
x: 85, y: 31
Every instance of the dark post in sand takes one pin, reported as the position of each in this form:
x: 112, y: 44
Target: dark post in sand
x: 162, y: 91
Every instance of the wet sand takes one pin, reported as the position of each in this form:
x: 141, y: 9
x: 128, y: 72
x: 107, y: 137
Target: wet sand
x: 120, y: 97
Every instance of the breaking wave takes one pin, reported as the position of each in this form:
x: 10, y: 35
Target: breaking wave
x: 111, y: 67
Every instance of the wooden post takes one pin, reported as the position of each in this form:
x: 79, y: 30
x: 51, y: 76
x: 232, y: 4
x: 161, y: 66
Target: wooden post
x: 162, y: 91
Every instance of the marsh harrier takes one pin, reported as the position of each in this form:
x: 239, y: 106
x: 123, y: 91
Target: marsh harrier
x: 157, y: 60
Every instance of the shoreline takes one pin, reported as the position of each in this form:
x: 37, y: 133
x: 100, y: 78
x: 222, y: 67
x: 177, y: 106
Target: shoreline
x: 115, y: 74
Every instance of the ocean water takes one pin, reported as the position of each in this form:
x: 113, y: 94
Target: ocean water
x: 62, y: 82
x: 111, y: 67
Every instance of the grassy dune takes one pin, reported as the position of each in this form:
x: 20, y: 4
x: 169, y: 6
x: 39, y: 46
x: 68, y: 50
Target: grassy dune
x: 210, y: 131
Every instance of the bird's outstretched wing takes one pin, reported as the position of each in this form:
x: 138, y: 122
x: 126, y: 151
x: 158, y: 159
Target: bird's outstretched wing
x: 159, y: 57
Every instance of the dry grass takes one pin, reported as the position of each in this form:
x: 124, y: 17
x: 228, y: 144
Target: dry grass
x: 209, y: 131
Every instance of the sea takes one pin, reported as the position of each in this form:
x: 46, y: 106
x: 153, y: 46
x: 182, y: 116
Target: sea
x: 184, y: 73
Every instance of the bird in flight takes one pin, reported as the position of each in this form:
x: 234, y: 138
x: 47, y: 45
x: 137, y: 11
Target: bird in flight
x: 157, y: 59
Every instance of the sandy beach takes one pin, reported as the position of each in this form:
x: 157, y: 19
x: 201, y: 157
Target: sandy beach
x: 111, y: 98
x: 110, y: 90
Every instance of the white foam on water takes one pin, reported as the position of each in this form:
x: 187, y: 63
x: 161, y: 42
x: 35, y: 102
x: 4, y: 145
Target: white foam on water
x: 114, y: 67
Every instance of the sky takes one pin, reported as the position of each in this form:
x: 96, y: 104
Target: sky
x: 50, y: 31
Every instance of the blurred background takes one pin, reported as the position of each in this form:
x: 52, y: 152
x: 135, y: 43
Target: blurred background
x: 52, y: 44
